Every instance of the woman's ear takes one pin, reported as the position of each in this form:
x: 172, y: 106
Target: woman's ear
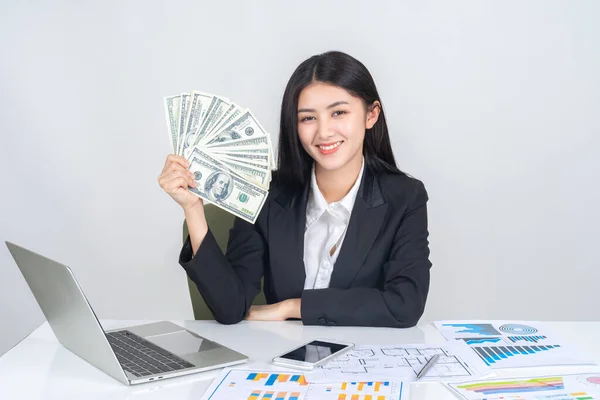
x: 373, y: 114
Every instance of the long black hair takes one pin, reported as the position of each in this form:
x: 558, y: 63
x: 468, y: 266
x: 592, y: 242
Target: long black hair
x: 346, y: 72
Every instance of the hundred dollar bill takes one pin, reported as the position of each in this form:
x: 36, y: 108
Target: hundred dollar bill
x: 254, y: 143
x: 182, y: 116
x: 217, y: 126
x: 248, y: 163
x: 217, y: 107
x: 256, y: 158
x: 230, y: 115
x: 226, y: 190
x: 172, y: 106
x: 246, y: 126
x: 259, y: 176
x: 233, y: 151
x: 198, y: 106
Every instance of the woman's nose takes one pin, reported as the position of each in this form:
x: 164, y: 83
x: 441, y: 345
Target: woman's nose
x: 324, y: 130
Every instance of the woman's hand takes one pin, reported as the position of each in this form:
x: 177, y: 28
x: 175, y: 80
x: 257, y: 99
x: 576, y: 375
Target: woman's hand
x: 175, y: 179
x: 275, y: 312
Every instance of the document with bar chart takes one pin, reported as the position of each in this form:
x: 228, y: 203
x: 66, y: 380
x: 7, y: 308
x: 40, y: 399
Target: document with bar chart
x: 403, y: 361
x: 509, y: 344
x: 271, y: 385
x: 556, y: 387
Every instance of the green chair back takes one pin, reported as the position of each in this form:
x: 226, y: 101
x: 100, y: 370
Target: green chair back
x: 219, y: 222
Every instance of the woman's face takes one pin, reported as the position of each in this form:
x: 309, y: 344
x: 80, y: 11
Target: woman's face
x: 332, y: 124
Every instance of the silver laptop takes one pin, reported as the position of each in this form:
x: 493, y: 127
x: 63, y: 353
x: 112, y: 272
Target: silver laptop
x: 131, y: 355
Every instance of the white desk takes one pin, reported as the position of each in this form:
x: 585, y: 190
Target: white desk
x: 40, y: 368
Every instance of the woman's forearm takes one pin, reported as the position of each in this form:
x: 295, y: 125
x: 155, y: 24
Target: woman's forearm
x: 197, y: 225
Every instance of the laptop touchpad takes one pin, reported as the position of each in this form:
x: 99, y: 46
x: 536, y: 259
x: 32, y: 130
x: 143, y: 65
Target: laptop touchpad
x: 181, y: 342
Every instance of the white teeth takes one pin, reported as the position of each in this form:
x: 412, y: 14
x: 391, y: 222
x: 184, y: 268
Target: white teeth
x: 331, y: 147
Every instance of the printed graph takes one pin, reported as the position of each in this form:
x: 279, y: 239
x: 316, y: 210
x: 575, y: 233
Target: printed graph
x: 563, y: 396
x: 364, y: 386
x: 590, y: 381
x: 250, y: 385
x: 540, y: 388
x: 518, y: 329
x: 344, y: 396
x: 473, y: 341
x: 475, y: 329
x: 594, y: 380
x: 493, y: 354
x: 268, y: 395
x: 577, y: 396
x: 553, y: 396
x: 271, y: 379
x: 534, y: 339
x: 271, y: 385
x: 515, y: 386
x: 359, y: 391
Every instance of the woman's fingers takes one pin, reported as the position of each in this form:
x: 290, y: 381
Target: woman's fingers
x: 177, y: 159
x: 174, y: 163
x: 177, y: 183
x: 182, y: 178
x: 174, y: 174
x: 175, y: 179
x: 171, y: 167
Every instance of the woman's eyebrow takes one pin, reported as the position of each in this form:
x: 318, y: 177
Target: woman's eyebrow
x: 337, y: 103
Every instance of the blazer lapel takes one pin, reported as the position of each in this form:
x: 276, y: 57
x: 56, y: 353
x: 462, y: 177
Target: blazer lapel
x: 366, y: 219
x: 287, y: 221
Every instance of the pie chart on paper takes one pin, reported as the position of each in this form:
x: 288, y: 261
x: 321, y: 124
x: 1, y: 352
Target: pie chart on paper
x: 594, y: 380
x: 591, y: 380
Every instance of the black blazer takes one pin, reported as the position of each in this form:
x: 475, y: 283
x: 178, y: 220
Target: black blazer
x: 380, y: 278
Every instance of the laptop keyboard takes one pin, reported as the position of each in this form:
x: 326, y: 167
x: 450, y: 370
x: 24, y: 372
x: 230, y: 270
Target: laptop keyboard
x: 141, y: 357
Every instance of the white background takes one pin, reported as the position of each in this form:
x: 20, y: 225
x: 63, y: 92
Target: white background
x: 494, y: 105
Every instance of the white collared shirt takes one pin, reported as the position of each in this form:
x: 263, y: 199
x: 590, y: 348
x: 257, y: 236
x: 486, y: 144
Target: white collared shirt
x: 326, y: 226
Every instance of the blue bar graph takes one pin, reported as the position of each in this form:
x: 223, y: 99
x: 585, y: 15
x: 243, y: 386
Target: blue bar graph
x: 492, y: 354
x: 472, y: 341
x: 272, y: 379
x: 476, y: 329
x: 533, y: 339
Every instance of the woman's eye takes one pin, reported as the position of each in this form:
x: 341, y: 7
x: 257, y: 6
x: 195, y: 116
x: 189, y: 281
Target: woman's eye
x: 304, y: 119
x: 339, y: 112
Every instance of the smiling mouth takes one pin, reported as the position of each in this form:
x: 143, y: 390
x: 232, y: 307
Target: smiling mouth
x: 328, y: 147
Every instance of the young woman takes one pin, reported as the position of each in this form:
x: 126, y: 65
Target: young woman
x: 342, y: 238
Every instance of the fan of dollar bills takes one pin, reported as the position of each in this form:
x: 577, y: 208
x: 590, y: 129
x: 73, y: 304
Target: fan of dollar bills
x: 228, y: 150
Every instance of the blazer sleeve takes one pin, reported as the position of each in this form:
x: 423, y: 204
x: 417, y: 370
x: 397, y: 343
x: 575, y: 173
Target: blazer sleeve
x: 402, y: 301
x: 228, y: 283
